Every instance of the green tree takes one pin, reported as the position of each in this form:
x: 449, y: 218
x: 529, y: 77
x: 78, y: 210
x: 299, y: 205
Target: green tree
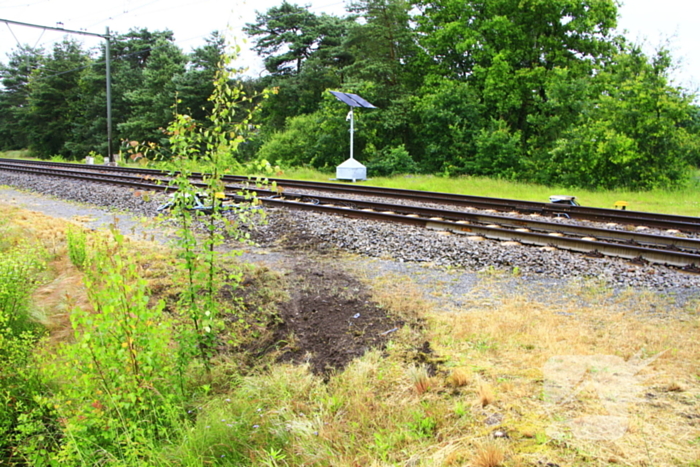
x: 520, y: 57
x: 285, y: 36
x: 130, y: 53
x: 387, y: 71
x: 53, y: 91
x: 636, y: 133
x: 304, y: 55
x: 197, y: 83
x: 384, y: 44
x: 448, y: 118
x: 152, y: 101
x: 14, y: 96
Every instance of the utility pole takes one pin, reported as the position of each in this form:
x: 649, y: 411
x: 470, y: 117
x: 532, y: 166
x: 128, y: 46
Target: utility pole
x: 107, y: 72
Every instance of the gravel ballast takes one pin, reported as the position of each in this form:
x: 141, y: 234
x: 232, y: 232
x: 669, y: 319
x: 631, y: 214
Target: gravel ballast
x: 392, y: 243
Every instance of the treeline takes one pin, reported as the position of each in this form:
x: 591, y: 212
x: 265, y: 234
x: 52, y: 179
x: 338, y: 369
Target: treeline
x: 538, y: 90
x: 54, y: 102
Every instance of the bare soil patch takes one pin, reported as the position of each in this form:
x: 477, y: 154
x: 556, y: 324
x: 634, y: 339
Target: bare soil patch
x: 327, y: 319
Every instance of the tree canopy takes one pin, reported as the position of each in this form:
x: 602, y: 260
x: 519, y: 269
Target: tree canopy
x: 546, y: 91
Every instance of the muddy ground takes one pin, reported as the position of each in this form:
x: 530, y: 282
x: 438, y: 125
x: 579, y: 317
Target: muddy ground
x: 326, y: 317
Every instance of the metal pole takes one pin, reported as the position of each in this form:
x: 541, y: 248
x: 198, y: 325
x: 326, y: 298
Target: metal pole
x: 38, y: 26
x: 352, y: 131
x: 109, y: 75
x: 109, y: 97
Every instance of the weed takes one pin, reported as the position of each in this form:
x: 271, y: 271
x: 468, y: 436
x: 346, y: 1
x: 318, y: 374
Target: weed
x: 489, y: 454
x: 460, y: 409
x: 540, y: 438
x: 77, y: 247
x: 19, y: 274
x: 422, y: 426
x: 418, y: 374
x: 274, y: 458
x: 459, y: 378
x: 486, y: 395
x: 26, y: 423
x: 121, y: 366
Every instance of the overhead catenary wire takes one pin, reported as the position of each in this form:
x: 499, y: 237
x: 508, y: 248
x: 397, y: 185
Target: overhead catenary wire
x: 121, y: 57
x: 111, y: 17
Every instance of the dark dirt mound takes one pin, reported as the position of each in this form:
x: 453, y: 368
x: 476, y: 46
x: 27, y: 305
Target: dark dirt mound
x: 330, y: 318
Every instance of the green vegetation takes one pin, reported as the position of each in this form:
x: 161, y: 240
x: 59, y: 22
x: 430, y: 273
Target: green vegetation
x: 107, y: 385
x: 680, y: 202
x: 18, y: 154
x: 121, y: 353
x: 535, y: 91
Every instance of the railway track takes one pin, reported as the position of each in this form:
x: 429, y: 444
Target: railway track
x: 652, y: 220
x: 545, y: 225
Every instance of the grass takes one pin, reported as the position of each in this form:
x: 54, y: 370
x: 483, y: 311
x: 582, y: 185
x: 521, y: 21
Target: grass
x: 491, y: 375
x: 22, y: 154
x: 489, y: 454
x: 684, y: 202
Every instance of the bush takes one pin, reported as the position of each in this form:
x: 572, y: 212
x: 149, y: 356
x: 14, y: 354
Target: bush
x: 27, y: 425
x: 125, y: 386
x: 392, y: 161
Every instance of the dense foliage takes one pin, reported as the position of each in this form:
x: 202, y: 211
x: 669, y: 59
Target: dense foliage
x: 534, y: 90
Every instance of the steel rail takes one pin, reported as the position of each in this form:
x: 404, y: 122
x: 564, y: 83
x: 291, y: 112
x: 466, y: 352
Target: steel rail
x: 440, y: 220
x: 593, y: 233
x: 656, y: 220
x: 678, y: 259
x: 457, y: 216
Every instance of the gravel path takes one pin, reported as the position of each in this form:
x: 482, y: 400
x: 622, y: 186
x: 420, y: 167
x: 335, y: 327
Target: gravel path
x: 460, y: 272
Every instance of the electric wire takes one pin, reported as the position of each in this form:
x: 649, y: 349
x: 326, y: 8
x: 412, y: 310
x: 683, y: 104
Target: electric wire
x: 149, y: 49
x: 25, y: 5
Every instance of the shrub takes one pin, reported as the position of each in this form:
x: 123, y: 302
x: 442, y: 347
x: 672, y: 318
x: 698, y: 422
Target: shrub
x: 76, y: 247
x: 121, y: 385
x: 392, y: 161
x: 27, y: 426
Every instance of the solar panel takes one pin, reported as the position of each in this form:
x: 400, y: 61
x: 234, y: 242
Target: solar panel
x: 361, y: 101
x: 353, y: 100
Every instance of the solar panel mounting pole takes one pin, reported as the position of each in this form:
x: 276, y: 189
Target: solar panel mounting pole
x: 351, y: 169
x: 353, y: 100
x: 352, y: 131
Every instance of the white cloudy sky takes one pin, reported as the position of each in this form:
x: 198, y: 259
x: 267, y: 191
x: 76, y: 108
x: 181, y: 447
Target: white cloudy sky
x: 650, y: 21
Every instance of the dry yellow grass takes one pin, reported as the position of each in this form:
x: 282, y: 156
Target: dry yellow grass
x: 489, y: 454
x: 504, y: 343
x: 656, y: 419
x: 373, y: 413
x: 459, y: 378
x: 486, y: 395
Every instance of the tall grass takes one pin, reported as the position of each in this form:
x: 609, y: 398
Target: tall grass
x: 382, y: 410
x: 22, y: 385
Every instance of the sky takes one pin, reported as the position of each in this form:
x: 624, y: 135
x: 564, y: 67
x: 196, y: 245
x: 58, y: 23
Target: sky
x: 672, y: 23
